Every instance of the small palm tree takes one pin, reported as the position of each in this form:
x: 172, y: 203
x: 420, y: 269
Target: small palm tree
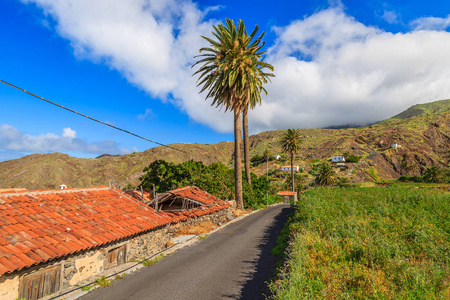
x: 324, y: 175
x: 290, y: 143
x: 433, y: 174
x: 232, y: 71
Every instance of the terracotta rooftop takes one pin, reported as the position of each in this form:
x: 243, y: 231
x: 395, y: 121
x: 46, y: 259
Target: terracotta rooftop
x: 39, y: 226
x: 209, y: 203
x: 148, y: 196
x: 286, y: 193
x: 10, y: 191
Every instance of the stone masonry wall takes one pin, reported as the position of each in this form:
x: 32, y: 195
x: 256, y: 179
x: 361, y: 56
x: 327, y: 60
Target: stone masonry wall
x: 218, y: 217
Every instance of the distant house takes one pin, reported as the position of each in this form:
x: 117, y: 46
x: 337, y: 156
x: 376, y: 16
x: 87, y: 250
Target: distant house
x: 337, y: 159
x: 62, y: 187
x: 278, y: 156
x: 395, y: 146
x: 288, y: 168
x: 288, y: 196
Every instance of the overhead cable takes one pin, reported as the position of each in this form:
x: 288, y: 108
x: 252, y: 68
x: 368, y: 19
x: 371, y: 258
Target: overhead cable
x: 83, y: 115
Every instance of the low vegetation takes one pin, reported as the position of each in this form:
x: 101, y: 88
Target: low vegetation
x: 151, y: 262
x: 216, y: 178
x: 369, y: 243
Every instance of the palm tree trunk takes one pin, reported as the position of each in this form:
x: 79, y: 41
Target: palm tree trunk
x: 292, y: 171
x: 246, y: 145
x: 237, y: 159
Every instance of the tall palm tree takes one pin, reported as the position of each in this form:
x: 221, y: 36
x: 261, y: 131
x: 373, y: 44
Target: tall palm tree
x: 290, y: 143
x: 232, y: 71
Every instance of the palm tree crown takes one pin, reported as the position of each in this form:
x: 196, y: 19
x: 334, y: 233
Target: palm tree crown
x: 233, y: 67
x: 290, y: 141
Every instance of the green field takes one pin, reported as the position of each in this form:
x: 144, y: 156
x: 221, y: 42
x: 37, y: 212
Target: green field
x: 369, y: 243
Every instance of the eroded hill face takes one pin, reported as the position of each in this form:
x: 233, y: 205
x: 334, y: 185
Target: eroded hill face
x: 424, y: 141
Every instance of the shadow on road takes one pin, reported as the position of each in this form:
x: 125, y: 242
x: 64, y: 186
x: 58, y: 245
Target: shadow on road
x: 255, y: 286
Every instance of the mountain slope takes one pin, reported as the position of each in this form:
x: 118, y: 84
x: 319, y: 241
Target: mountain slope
x: 419, y: 110
x: 424, y: 140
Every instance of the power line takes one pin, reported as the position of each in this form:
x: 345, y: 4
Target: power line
x: 83, y: 115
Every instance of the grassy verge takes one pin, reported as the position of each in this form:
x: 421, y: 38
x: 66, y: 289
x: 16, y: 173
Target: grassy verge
x: 369, y: 243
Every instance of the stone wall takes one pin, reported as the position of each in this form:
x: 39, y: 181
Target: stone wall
x: 218, y: 217
x: 147, y: 244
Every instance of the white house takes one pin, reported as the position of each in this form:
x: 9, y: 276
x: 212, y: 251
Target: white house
x: 278, y: 156
x: 62, y: 187
x: 337, y: 159
x: 288, y: 168
x: 395, y: 146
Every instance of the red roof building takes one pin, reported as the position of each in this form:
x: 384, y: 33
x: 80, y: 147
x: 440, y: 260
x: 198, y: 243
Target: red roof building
x: 288, y: 196
x: 40, y: 226
x: 189, y: 201
x: 51, y: 240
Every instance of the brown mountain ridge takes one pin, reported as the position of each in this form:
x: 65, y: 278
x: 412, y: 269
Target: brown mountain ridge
x: 423, y: 134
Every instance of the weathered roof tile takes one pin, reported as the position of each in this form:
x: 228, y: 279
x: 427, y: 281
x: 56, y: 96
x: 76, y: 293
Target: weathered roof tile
x: 38, y: 226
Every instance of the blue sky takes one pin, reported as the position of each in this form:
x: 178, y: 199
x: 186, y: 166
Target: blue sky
x: 128, y: 63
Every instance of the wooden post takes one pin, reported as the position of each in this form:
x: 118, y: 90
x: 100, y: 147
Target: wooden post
x: 154, y: 197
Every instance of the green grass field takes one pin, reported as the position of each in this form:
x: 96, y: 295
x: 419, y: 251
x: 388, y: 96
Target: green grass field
x: 369, y: 243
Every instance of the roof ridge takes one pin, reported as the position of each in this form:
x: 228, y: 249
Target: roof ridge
x: 56, y: 191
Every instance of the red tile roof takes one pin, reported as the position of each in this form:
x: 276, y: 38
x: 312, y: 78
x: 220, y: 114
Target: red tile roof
x: 210, y: 203
x: 285, y: 193
x: 39, y: 226
x: 148, y: 196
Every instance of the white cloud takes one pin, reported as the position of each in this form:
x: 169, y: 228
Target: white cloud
x: 353, y: 74
x: 431, y: 23
x: 13, y: 140
x: 148, y: 114
x: 151, y: 42
x: 390, y: 16
x: 69, y: 133
x: 330, y: 68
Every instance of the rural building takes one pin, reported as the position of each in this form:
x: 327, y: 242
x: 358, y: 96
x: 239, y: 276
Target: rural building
x: 288, y: 196
x: 337, y: 159
x: 288, y: 168
x: 278, y: 156
x: 190, y: 202
x: 53, y: 239
x: 50, y: 240
x: 395, y: 146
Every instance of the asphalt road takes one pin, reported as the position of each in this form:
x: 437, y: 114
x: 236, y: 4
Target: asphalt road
x: 232, y: 263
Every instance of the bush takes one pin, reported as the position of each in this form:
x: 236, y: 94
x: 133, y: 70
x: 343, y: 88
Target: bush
x: 434, y: 174
x: 352, y: 158
x: 217, y: 179
x: 406, y: 178
x: 324, y: 175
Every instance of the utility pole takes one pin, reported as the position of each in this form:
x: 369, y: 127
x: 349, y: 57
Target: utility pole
x: 267, y: 178
x: 154, y: 197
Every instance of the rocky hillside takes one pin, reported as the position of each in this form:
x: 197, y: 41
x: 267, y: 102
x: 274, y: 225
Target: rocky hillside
x: 423, y: 134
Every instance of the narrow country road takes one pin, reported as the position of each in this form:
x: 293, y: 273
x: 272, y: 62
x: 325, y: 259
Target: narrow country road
x: 232, y: 263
